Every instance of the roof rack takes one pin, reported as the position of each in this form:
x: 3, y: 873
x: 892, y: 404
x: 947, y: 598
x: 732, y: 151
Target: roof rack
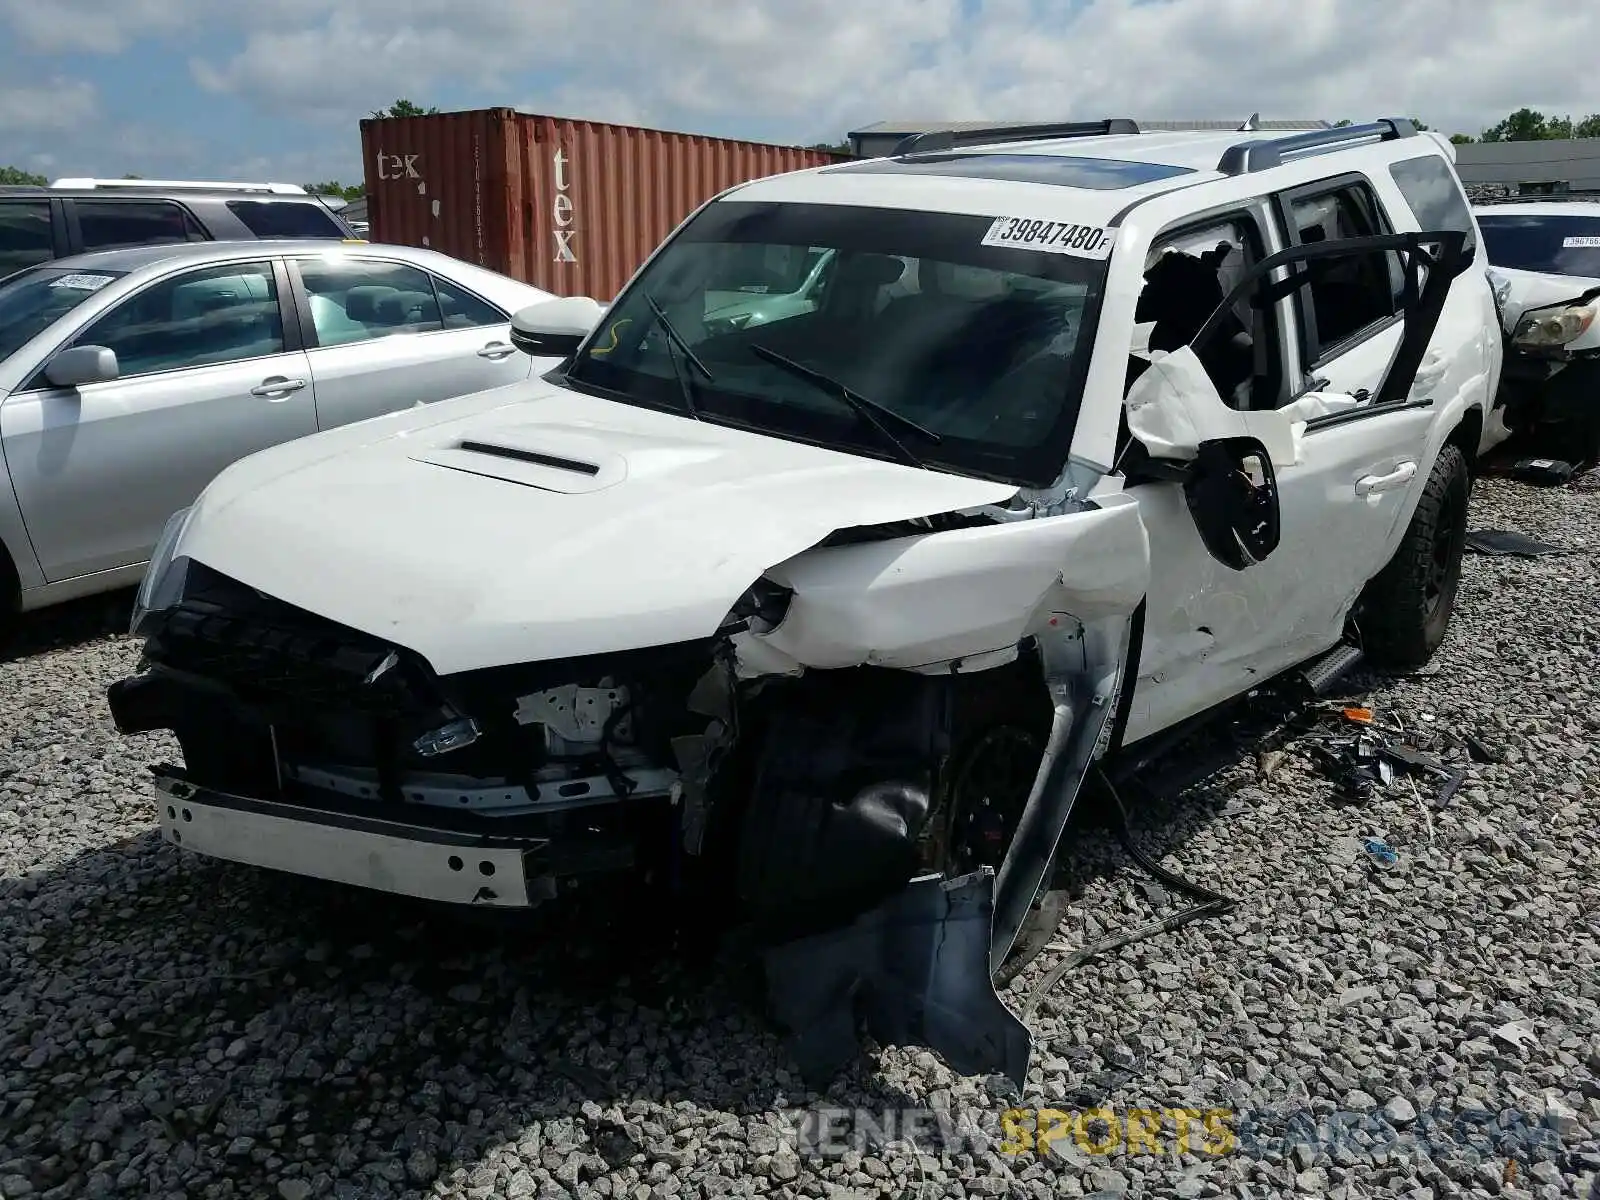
x: 934, y: 140
x: 1249, y: 157
x: 170, y: 185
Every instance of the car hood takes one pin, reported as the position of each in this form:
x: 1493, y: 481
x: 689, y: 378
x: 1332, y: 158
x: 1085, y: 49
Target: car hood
x: 1517, y: 292
x: 532, y: 522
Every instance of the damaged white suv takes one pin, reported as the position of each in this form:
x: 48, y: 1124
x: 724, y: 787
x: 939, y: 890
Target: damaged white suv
x: 1078, y: 433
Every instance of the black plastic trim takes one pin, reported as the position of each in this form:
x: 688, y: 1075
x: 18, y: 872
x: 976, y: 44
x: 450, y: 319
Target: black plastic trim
x: 1351, y: 416
x: 948, y: 139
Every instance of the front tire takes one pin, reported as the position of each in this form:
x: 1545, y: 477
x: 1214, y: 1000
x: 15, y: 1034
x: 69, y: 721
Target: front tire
x: 1407, y: 607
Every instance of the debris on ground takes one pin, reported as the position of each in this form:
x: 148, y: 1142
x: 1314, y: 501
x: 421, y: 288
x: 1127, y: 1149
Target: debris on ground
x: 1498, y: 543
x: 1548, y: 472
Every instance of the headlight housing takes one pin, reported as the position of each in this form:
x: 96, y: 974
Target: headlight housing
x: 760, y: 610
x: 1552, y: 327
x: 162, y: 586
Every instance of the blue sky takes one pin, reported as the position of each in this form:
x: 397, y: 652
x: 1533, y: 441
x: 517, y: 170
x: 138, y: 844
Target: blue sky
x: 276, y: 88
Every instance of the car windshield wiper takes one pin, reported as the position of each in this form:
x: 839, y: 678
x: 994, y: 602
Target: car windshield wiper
x: 676, y: 339
x: 870, y: 411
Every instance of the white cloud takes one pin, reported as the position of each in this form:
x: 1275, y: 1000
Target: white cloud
x: 58, y: 106
x: 814, y: 66
x: 94, y: 26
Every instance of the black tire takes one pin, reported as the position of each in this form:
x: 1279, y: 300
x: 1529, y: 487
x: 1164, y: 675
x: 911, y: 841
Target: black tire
x: 10, y: 599
x: 1406, y: 609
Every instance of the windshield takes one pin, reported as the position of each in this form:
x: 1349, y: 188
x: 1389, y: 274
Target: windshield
x: 31, y: 301
x: 975, y: 349
x: 1567, y: 245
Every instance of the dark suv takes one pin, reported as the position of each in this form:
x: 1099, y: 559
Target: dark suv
x: 41, y: 223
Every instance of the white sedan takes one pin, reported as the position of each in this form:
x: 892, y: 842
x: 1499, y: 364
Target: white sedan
x: 130, y: 378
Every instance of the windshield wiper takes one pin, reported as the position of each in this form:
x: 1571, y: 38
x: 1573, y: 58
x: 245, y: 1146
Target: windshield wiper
x: 676, y: 339
x: 870, y: 411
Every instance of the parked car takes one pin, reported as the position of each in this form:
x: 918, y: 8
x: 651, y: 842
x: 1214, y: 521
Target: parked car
x: 72, y: 216
x: 829, y: 617
x: 1545, y: 260
x: 129, y: 378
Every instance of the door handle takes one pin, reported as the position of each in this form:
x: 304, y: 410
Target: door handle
x: 277, y: 385
x: 1369, y: 485
x: 497, y: 350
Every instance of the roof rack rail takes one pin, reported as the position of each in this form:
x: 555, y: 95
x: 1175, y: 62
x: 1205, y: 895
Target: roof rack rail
x: 934, y: 140
x: 1248, y: 157
x: 173, y: 185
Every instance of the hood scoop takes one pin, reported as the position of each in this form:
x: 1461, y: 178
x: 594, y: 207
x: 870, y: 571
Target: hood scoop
x: 553, y: 460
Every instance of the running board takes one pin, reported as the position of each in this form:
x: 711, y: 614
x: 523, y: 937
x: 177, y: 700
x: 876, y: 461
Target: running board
x: 1333, y: 666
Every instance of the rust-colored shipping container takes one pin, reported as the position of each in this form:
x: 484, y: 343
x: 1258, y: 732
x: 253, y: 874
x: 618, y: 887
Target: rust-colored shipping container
x: 570, y: 206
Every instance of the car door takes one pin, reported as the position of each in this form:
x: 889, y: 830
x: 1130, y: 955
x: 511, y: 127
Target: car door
x: 209, y: 371
x: 384, y: 335
x: 1344, y: 490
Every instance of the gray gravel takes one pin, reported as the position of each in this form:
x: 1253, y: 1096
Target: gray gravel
x: 178, y: 1028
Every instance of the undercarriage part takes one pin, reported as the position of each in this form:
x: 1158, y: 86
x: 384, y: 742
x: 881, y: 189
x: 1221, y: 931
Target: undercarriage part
x: 915, y: 970
x: 840, y: 796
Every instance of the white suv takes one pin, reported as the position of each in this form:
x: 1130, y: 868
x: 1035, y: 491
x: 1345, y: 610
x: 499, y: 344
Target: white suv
x: 824, y: 619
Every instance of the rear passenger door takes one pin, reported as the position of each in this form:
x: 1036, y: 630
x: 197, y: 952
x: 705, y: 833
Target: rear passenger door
x: 209, y: 372
x: 386, y: 335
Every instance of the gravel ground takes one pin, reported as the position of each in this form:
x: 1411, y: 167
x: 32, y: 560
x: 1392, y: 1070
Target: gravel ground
x: 173, y: 1027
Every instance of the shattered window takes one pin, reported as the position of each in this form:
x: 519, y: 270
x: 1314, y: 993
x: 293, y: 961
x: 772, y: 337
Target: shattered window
x: 973, y: 341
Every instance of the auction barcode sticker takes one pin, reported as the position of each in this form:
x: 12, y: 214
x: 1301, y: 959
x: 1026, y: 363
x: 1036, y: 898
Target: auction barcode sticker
x: 1588, y: 241
x: 1051, y: 237
x: 81, y: 282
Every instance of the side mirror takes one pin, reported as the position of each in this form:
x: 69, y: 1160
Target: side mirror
x: 555, y: 328
x: 1232, y: 493
x: 81, y: 365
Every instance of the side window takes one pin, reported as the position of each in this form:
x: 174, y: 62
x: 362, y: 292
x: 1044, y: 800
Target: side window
x: 1430, y: 188
x: 24, y: 234
x: 1348, y: 296
x: 356, y: 300
x: 1187, y: 275
x: 285, y: 219
x: 107, y: 223
x: 463, y: 310
x: 200, y: 318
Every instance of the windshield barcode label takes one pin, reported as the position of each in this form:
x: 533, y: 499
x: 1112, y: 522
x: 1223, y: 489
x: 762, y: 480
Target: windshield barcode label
x: 1051, y: 237
x: 1587, y: 241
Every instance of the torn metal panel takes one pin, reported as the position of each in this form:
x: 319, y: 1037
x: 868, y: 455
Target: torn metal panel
x: 1173, y: 407
x: 960, y: 600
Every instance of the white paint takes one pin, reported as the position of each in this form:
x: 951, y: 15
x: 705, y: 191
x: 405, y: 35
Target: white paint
x: 479, y: 572
x: 561, y: 210
x: 1174, y: 406
x: 422, y: 188
x: 425, y: 241
x: 397, y: 166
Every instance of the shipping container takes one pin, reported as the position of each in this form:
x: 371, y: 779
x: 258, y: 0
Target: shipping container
x: 570, y: 206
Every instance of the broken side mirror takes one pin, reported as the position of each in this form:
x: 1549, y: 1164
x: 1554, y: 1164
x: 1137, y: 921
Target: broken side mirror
x: 1232, y: 494
x: 555, y: 328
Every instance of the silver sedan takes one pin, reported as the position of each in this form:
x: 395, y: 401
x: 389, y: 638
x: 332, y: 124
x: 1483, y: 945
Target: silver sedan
x: 130, y: 378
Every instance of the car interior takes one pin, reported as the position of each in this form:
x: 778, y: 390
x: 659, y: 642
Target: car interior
x: 192, y: 322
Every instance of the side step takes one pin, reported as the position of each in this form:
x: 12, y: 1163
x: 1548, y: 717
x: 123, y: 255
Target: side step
x: 1333, y: 666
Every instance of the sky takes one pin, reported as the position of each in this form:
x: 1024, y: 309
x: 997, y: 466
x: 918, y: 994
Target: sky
x: 274, y: 89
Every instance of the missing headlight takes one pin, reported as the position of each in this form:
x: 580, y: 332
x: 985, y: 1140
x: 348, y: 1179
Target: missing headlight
x: 761, y: 609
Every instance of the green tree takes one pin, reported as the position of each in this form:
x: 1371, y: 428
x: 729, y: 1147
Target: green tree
x: 1588, y: 127
x: 1421, y: 125
x: 1342, y: 122
x: 403, y: 108
x: 17, y: 177
x: 1528, y: 125
x: 841, y: 147
x: 1462, y: 139
x: 332, y: 187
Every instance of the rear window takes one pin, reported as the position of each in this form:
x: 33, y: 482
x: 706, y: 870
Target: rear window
x: 1430, y: 188
x: 1559, y: 245
x: 286, y: 219
x: 24, y: 234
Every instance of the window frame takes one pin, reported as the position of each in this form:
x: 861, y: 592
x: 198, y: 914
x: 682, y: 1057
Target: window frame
x: 302, y: 299
x: 290, y: 331
x: 1256, y: 220
x: 1314, y: 353
x: 194, y: 229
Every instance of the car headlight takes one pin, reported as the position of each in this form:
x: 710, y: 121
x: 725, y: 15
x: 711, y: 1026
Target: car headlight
x: 162, y: 586
x: 1554, y: 326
